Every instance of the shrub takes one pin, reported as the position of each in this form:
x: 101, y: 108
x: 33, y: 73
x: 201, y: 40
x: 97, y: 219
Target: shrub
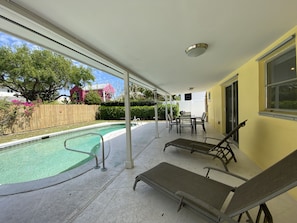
x: 93, y: 98
x: 11, y: 112
x: 144, y: 112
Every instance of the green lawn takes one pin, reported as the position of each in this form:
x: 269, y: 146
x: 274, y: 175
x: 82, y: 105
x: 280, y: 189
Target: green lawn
x: 11, y: 137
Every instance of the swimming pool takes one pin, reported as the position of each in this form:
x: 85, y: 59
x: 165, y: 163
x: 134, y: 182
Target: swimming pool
x: 47, y: 156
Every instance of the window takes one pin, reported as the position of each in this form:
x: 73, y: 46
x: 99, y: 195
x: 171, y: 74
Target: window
x: 281, y: 85
x: 279, y: 69
x: 188, y: 97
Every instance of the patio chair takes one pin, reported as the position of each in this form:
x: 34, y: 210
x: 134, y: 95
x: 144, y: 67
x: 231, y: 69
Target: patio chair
x: 218, y: 202
x: 172, y: 122
x: 185, y: 121
x: 222, y: 150
x: 201, y: 121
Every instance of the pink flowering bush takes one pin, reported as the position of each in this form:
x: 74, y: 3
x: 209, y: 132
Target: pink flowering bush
x: 28, y: 107
x: 14, y: 113
x: 16, y: 102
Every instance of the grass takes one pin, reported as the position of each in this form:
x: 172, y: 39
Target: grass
x: 23, y: 135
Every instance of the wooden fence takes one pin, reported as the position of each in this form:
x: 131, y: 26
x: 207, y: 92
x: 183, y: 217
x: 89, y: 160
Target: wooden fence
x: 45, y: 116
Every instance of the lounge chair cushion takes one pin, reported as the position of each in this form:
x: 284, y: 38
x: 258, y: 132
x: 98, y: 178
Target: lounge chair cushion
x: 207, y: 196
x: 170, y: 179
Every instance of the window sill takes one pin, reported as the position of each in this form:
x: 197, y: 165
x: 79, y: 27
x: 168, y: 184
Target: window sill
x: 279, y: 115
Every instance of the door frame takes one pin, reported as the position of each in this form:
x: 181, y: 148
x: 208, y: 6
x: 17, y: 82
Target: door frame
x: 231, y: 106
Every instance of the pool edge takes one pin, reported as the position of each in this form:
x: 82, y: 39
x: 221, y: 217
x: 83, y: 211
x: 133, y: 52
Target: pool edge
x: 24, y: 187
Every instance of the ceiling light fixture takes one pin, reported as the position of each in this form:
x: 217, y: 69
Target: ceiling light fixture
x: 196, y: 49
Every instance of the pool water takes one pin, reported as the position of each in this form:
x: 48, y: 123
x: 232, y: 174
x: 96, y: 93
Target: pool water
x: 48, y: 157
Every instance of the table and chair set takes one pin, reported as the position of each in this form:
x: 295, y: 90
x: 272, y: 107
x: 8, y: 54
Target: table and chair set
x: 186, y: 120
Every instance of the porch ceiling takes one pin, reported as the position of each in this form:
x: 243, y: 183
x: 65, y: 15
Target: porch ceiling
x: 149, y: 38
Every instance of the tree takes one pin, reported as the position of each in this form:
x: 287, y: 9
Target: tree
x: 39, y: 74
x: 140, y: 93
x: 93, y: 98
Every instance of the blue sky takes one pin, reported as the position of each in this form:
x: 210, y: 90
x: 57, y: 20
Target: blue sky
x: 100, y: 76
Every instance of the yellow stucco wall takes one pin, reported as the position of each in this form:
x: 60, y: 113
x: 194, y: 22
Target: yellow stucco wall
x: 214, y: 108
x: 265, y: 140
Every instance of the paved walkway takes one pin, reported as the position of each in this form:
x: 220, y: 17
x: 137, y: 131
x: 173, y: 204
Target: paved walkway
x: 98, y: 196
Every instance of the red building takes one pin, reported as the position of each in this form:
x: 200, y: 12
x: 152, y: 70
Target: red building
x: 106, y: 92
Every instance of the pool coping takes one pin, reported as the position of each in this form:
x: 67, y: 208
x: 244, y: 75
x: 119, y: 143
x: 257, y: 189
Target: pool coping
x: 44, y: 136
x: 24, y: 187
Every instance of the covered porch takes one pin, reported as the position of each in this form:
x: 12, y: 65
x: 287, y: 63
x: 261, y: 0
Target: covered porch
x: 108, y: 196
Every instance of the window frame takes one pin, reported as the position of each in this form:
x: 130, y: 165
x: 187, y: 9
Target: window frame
x: 263, y: 102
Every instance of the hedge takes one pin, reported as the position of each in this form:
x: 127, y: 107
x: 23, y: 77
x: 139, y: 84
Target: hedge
x: 145, y: 112
x: 132, y: 103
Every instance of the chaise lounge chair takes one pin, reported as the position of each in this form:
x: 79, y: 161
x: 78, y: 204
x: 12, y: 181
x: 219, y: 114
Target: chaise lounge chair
x: 222, y: 150
x: 218, y: 202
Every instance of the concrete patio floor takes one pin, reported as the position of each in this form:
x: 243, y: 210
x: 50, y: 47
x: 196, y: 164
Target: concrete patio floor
x: 98, y: 196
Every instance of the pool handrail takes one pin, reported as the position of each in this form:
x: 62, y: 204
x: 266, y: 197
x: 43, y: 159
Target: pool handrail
x: 90, y: 154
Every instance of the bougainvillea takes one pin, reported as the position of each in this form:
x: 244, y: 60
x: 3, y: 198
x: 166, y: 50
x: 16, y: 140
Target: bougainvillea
x: 14, y: 112
x: 27, y: 107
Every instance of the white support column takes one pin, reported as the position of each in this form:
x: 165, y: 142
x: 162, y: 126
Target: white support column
x: 166, y: 111
x: 129, y: 161
x: 171, y: 112
x: 156, y: 114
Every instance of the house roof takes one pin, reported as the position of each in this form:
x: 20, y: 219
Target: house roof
x: 95, y: 87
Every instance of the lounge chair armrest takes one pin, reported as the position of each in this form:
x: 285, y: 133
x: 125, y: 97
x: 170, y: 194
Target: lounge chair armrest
x: 223, y: 171
x: 216, y: 214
